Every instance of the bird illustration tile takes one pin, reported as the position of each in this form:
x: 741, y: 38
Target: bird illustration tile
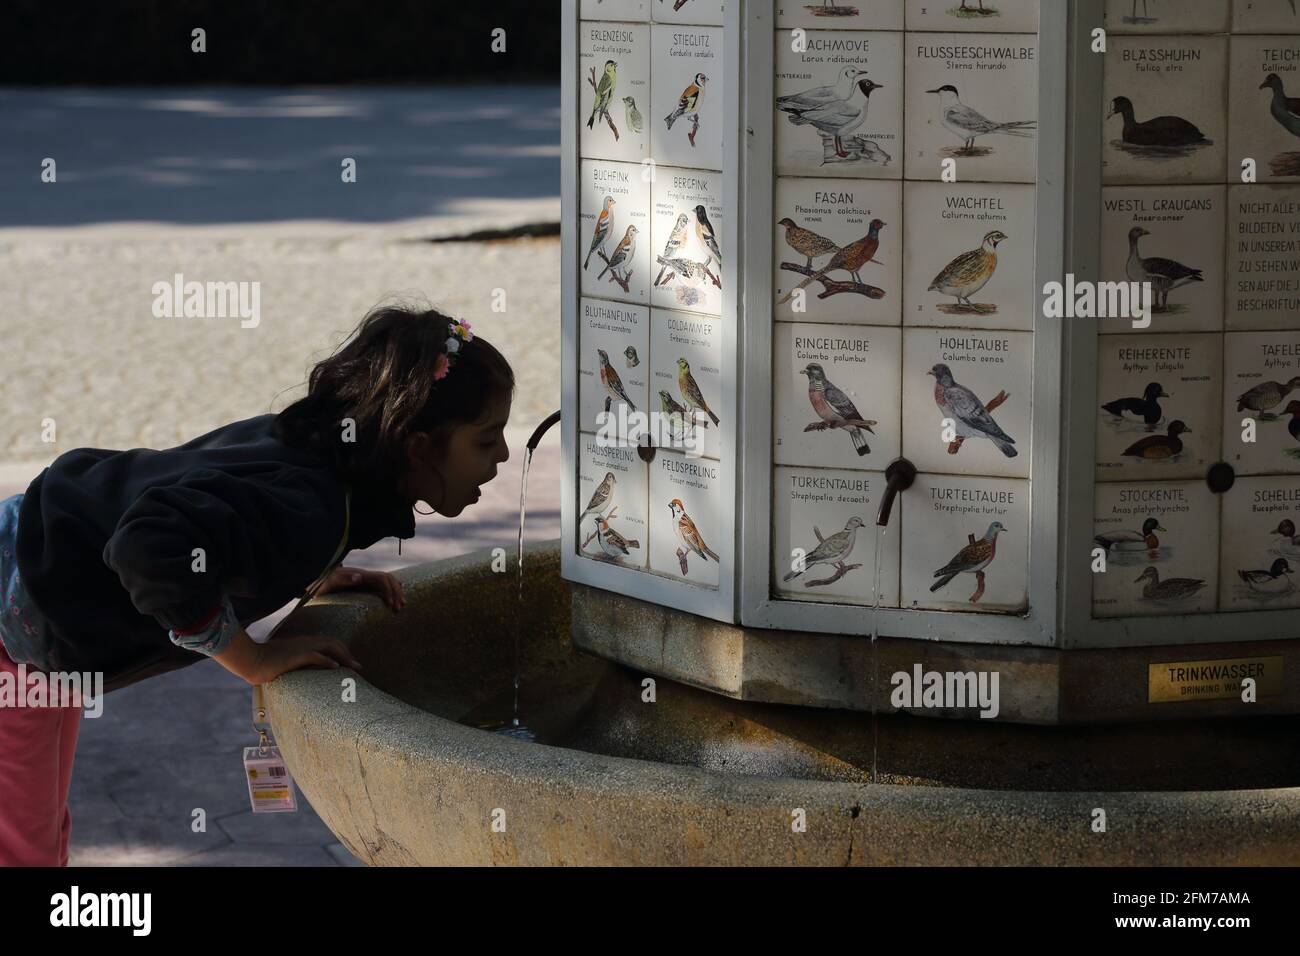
x: 837, y: 395
x: 612, y: 521
x: 685, y: 375
x: 614, y: 231
x: 685, y: 505
x: 1265, y: 116
x: 1160, y: 398
x: 970, y: 255
x: 1261, y: 413
x: 824, y: 537
x: 965, y: 544
x: 1260, y: 549
x: 966, y: 401
x: 1166, y: 116
x: 686, y: 96
x: 838, y: 251
x: 972, y: 106
x: 613, y: 371
x: 688, y: 11
x: 1263, y: 257
x: 840, y: 14
x: 686, y: 241
x: 1162, y: 16
x: 614, y: 83
x: 1174, y: 238
x: 1265, y: 16
x: 839, y: 103
x: 973, y: 16
x: 1155, y: 548
x: 615, y: 10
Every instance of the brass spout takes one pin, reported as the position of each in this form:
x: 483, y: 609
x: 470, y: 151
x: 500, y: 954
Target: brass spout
x: 898, y: 477
x: 551, y: 419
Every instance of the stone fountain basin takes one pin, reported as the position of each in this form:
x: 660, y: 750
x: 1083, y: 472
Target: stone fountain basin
x: 403, y: 776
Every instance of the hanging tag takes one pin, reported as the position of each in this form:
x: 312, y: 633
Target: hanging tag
x: 270, y: 788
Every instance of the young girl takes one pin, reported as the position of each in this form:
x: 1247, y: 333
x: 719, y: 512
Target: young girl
x: 134, y: 563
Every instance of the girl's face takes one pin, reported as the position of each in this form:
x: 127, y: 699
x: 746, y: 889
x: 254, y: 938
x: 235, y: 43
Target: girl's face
x: 448, y: 479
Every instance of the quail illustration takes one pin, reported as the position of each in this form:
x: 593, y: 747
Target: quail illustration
x: 689, y: 103
x: 833, y: 550
x: 970, y: 271
x: 624, y: 251
x: 968, y: 124
x: 604, y: 92
x: 676, y: 240
x: 634, y: 121
x: 604, y: 222
x: 609, y: 378
x: 850, y: 259
x: 806, y: 242
x: 629, y: 353
x: 688, y: 534
x: 611, y: 542
x: 691, y: 393
x: 1164, y: 275
x: 972, y: 559
x: 704, y: 231
x: 601, y: 497
x: 835, y: 408
x: 971, y: 418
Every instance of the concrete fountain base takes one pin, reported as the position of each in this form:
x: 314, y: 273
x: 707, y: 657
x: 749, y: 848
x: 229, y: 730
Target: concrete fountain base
x: 403, y: 775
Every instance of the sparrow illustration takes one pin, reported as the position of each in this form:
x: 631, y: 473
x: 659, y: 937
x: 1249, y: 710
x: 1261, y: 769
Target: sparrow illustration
x: 806, y: 242
x: 835, y: 408
x: 688, y: 534
x: 970, y: 271
x: 601, y: 233
x: 968, y: 125
x: 675, y: 241
x: 833, y: 550
x: 972, y: 559
x: 629, y: 353
x: 609, y: 378
x: 634, y: 121
x: 851, y: 259
x: 704, y: 231
x: 1163, y: 274
x: 968, y: 413
x: 691, y: 393
x: 601, y: 497
x: 624, y: 251
x: 604, y: 92
x: 611, y: 542
x: 690, y: 100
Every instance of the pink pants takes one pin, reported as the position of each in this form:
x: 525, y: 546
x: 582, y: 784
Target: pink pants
x: 37, y: 745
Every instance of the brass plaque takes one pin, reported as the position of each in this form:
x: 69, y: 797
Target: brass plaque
x: 1212, y: 680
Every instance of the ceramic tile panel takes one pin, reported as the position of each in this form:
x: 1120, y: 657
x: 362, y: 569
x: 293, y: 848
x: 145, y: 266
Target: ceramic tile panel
x: 686, y: 96
x: 985, y: 16
x: 1173, y: 237
x: 1260, y: 552
x: 966, y: 401
x: 614, y: 79
x: 840, y: 14
x: 1159, y: 544
x: 965, y: 544
x: 1166, y: 117
x: 614, y: 231
x: 837, y: 395
x: 1263, y: 257
x: 615, y: 10
x: 688, y: 11
x: 1261, y: 402
x: 824, y: 538
x: 612, y: 524
x: 1265, y: 115
x: 838, y: 251
x: 972, y: 99
x: 1265, y: 16
x: 1160, y: 402
x: 970, y: 255
x: 613, y: 371
x: 839, y: 104
x: 686, y: 241
x: 686, y: 508
x: 686, y: 381
x: 1161, y: 16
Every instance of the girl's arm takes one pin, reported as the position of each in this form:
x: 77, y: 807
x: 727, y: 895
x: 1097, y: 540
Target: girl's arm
x: 262, y: 663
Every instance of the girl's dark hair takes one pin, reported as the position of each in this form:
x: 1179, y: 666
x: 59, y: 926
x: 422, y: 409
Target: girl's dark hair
x: 382, y: 379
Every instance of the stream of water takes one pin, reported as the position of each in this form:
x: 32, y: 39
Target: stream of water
x: 514, y: 728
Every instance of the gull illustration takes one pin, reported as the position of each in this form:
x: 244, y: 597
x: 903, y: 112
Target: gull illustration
x: 821, y: 95
x: 967, y: 124
x: 837, y: 118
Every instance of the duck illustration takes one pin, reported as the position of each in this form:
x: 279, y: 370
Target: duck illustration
x: 833, y: 550
x: 970, y: 271
x: 968, y: 125
x: 972, y: 559
x: 836, y: 409
x: 1284, y: 109
x: 1163, y: 274
x: 1159, y: 447
x: 1267, y: 395
x: 967, y: 412
x: 1293, y: 426
x: 1144, y: 540
x: 1164, y: 131
x: 1271, y: 581
x: 1286, y: 528
x: 1171, y: 589
x: 837, y: 118
x: 1145, y: 409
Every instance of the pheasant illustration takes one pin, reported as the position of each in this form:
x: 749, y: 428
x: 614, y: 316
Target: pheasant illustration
x: 691, y: 393
x: 613, y: 384
x: 689, y: 103
x: 1165, y: 275
x: 806, y: 242
x: 688, y: 535
x: 604, y: 92
x: 969, y: 415
x: 972, y: 559
x: 835, y: 408
x: 676, y: 239
x: 704, y: 232
x: 850, y: 259
x: 968, y: 125
x: 970, y: 271
x: 834, y: 550
x: 624, y: 251
x: 601, y: 497
x: 600, y: 235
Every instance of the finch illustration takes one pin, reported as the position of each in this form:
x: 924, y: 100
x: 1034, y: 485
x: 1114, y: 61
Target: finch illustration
x: 675, y: 241
x: 690, y: 100
x: 675, y: 413
x: 611, y: 542
x: 604, y: 222
x: 629, y: 353
x: 609, y: 378
x: 634, y: 121
x: 691, y: 393
x: 688, y: 534
x: 835, y: 408
x: 601, y: 497
x: 806, y: 242
x: 833, y: 550
x: 704, y: 230
x: 604, y: 92
x: 624, y: 251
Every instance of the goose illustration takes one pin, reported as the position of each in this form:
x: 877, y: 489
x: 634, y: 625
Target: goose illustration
x: 1145, y: 409
x: 1144, y: 540
x: 1159, y: 447
x: 968, y: 125
x: 1171, y: 589
x: 837, y: 118
x: 1284, y: 109
x: 1163, y: 274
x: 1266, y: 396
x: 1273, y: 581
x: 1163, y: 131
x: 970, y: 271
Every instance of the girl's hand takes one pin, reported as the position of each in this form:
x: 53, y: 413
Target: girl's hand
x: 304, y: 650
x: 376, y: 582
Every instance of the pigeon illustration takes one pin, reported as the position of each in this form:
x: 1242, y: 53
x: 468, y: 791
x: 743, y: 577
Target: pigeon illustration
x: 833, y: 550
x: 972, y: 559
x: 604, y: 222
x: 967, y: 412
x: 835, y: 408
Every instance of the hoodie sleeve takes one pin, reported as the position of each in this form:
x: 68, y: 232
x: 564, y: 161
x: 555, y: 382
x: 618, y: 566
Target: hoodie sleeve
x: 251, y: 528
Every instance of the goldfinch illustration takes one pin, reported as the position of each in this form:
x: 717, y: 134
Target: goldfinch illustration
x: 691, y: 393
x: 675, y: 241
x: 624, y: 251
x: 609, y: 378
x: 634, y: 120
x: 690, y: 100
x: 599, y: 236
x: 688, y: 534
x: 604, y: 92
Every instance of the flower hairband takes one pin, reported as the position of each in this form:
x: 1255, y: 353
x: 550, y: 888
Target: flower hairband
x: 460, y: 332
